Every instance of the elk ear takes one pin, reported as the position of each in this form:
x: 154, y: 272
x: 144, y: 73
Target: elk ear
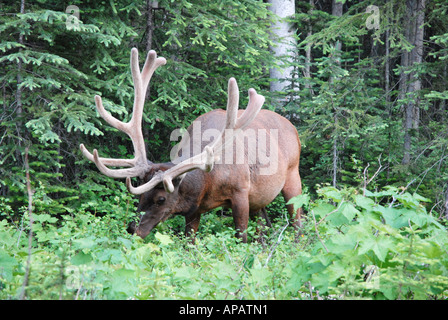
x: 170, y: 185
x: 179, y: 179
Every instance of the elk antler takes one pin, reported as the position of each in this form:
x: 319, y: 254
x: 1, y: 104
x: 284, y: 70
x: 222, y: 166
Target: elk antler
x: 139, y: 165
x: 206, y: 159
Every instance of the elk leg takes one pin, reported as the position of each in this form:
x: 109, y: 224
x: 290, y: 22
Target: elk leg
x: 240, y: 212
x: 192, y: 225
x: 261, y: 225
x: 292, y: 188
x: 264, y: 214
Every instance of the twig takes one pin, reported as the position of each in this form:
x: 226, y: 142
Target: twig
x: 315, y: 227
x: 30, y: 235
x: 80, y: 287
x: 280, y: 237
x: 311, y: 290
x: 366, y: 182
x: 335, y: 210
x: 424, y: 173
x: 365, y: 179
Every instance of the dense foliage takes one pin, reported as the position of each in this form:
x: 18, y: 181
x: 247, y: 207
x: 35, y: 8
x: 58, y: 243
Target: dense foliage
x: 385, y: 245
x: 376, y: 207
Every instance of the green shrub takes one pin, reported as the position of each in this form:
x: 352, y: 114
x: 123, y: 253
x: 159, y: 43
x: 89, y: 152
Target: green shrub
x: 382, y: 245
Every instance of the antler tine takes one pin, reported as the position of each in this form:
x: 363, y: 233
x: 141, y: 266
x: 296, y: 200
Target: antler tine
x: 233, y: 99
x: 107, y: 161
x: 142, y: 79
x: 110, y: 119
x: 151, y: 64
x: 101, y: 162
x: 134, y: 127
x: 203, y: 161
x: 232, y: 122
x: 115, y: 173
x: 256, y: 101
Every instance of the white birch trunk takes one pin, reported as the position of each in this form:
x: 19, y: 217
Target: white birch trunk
x: 283, y: 35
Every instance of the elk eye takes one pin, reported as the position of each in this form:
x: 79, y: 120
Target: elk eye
x: 161, y: 200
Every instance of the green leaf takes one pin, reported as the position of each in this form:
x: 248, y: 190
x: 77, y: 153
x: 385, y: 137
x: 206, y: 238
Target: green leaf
x: 322, y: 209
x: 364, y: 202
x: 331, y: 193
x: 338, y: 218
x: 321, y: 281
x: 341, y: 243
x: 85, y: 243
x: 299, y: 201
x: 7, y: 266
x: 380, y: 245
x: 122, y: 283
x: 81, y: 258
x: 163, y: 238
x: 418, y: 197
x: 260, y: 276
x: 349, y: 211
x: 396, y: 218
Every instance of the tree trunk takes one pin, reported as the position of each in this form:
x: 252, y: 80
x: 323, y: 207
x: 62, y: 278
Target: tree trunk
x: 283, y: 34
x: 21, y: 129
x: 336, y: 10
x: 150, y: 6
x: 446, y: 202
x: 412, y: 84
x: 387, y: 87
x: 307, y: 70
x: 19, y: 74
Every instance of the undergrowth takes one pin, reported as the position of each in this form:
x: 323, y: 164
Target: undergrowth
x: 381, y: 245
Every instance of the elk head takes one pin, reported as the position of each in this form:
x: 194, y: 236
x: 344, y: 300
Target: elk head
x: 159, y: 191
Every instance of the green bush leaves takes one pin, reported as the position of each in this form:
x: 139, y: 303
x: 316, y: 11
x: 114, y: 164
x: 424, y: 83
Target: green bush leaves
x: 384, y: 245
x: 389, y: 232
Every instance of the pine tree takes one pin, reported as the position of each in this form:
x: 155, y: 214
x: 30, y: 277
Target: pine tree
x: 54, y: 63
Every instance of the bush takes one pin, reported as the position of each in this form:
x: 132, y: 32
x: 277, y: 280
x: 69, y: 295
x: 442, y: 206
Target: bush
x: 382, y: 245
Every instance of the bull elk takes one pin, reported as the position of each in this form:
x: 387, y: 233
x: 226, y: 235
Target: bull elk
x: 221, y: 172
